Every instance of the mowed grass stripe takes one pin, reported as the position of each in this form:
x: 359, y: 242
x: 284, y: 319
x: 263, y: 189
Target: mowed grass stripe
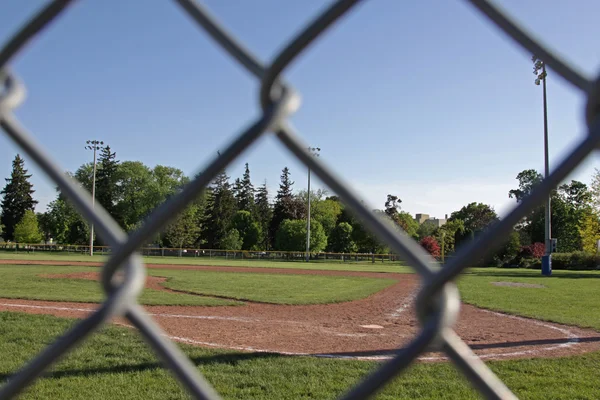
x: 24, y: 282
x: 116, y: 363
x: 363, y: 266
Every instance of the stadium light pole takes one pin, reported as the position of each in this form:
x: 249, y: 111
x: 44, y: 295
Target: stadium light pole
x: 315, y: 152
x: 93, y: 145
x: 539, y: 70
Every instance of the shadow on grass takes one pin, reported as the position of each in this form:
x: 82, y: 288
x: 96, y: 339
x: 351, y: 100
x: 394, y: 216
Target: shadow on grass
x: 229, y: 359
x: 528, y: 273
x: 500, y: 345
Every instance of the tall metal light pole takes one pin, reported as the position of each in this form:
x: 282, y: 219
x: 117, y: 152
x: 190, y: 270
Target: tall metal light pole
x: 315, y: 152
x: 539, y: 69
x: 93, y: 145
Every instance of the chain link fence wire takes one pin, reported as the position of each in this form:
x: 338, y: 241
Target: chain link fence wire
x: 438, y: 301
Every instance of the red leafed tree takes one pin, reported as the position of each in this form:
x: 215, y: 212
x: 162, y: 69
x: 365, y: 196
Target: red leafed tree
x: 535, y: 250
x: 431, y: 245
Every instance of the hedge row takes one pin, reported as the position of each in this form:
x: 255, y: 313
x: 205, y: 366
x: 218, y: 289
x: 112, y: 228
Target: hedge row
x: 576, y: 261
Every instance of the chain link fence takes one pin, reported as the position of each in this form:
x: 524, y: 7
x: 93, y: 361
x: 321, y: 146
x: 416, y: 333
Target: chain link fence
x: 438, y: 301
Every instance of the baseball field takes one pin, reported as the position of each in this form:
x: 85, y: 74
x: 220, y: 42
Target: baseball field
x: 272, y: 330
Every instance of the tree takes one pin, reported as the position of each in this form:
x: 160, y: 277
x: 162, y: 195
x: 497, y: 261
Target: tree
x: 326, y: 211
x: 528, y: 179
x: 475, y: 216
x: 64, y: 224
x: 408, y: 224
x: 136, y: 200
x: 392, y: 206
x: 106, y: 180
x: 27, y: 229
x: 427, y: 228
x: 570, y: 202
x: 221, y: 207
x: 245, y: 193
x: 595, y: 189
x: 589, y: 231
x: 264, y: 215
x: 248, y: 229
x: 510, y: 250
x: 340, y: 240
x: 448, y: 233
x: 431, y: 246
x: 17, y: 198
x: 291, y: 236
x: 184, y: 230
x: 284, y: 207
x: 231, y: 240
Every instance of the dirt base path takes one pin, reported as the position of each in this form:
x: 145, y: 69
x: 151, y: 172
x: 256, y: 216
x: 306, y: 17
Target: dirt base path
x: 370, y: 328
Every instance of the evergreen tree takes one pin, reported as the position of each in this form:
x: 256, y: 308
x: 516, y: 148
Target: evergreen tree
x: 264, y: 215
x: 284, y: 207
x: 219, y: 212
x: 17, y: 198
x: 106, y: 180
x: 245, y: 194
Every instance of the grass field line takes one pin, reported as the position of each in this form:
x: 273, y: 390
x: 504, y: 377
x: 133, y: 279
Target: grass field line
x: 572, y: 339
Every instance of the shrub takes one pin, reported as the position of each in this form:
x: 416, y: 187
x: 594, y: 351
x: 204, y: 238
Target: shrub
x: 431, y: 246
x: 535, y: 250
x: 576, y: 261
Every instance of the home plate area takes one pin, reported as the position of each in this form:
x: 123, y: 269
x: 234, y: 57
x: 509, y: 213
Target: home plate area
x: 372, y: 328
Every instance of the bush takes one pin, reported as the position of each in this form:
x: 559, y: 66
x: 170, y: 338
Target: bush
x: 431, y: 246
x: 576, y: 261
x: 535, y: 250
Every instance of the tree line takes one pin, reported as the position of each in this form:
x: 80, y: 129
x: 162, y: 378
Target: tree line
x: 240, y: 216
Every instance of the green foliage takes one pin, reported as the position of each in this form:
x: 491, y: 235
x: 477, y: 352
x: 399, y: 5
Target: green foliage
x: 408, y: 224
x: 589, y: 231
x: 291, y: 236
x: 27, y: 230
x: 447, y: 233
x: 286, y: 206
x: 136, y: 199
x: 232, y: 240
x: 340, y: 240
x: 264, y: 215
x: 221, y: 207
x: 248, y: 229
x: 427, y: 228
x: 106, y: 180
x: 245, y: 194
x: 64, y: 224
x: 326, y: 212
x: 17, y: 198
x: 184, y: 230
x: 528, y: 179
x: 475, y: 216
x: 510, y: 250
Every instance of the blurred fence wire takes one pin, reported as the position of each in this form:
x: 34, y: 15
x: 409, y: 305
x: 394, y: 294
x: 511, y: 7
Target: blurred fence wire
x: 438, y: 301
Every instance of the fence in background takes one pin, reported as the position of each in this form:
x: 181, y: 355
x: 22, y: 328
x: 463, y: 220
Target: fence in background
x: 438, y: 301
x: 202, y: 253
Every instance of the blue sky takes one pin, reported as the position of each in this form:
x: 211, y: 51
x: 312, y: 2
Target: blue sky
x: 423, y: 99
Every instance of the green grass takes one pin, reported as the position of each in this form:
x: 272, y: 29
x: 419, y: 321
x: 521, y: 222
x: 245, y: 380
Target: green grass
x: 569, y: 297
x: 115, y: 363
x: 274, y: 288
x: 330, y: 265
x: 23, y: 282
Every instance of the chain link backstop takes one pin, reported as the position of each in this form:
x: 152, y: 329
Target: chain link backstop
x: 438, y: 301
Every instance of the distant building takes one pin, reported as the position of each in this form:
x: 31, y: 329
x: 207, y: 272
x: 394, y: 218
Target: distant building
x: 425, y: 218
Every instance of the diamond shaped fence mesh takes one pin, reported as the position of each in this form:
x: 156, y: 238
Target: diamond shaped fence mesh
x: 438, y: 300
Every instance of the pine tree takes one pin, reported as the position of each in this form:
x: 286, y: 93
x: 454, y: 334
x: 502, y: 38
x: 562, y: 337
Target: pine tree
x: 284, y: 204
x: 106, y: 180
x: 219, y: 212
x: 245, y: 194
x: 264, y: 214
x: 17, y: 198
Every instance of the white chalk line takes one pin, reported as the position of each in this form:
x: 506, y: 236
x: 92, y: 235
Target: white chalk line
x: 572, y: 338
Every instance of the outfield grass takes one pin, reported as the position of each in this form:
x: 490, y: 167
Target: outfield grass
x: 330, y: 265
x: 116, y: 363
x: 568, y: 297
x: 23, y: 282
